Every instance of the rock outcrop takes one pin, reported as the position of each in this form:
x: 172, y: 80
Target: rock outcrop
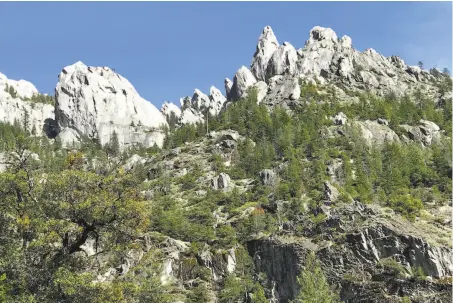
x: 243, y: 79
x: 16, y: 106
x: 168, y: 108
x: 222, y: 182
x: 356, y: 242
x: 96, y: 102
x: 283, y: 61
x: 376, y: 133
x: 268, y: 177
x: 325, y: 58
x: 426, y: 133
x: 191, y: 116
x: 267, y: 45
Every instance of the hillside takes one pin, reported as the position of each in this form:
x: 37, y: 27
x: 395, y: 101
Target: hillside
x: 322, y: 173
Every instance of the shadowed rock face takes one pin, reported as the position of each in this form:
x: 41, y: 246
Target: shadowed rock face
x: 367, y: 240
x: 267, y: 45
x: 96, y: 101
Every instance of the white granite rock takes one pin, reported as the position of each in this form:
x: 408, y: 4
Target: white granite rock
x: 267, y: 45
x: 96, y: 101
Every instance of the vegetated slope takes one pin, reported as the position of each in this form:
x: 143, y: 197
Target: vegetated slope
x: 351, y: 189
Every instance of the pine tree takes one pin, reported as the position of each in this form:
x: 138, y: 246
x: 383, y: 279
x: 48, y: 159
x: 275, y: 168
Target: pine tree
x: 113, y: 147
x: 26, y: 120
x: 420, y: 64
x: 314, y: 285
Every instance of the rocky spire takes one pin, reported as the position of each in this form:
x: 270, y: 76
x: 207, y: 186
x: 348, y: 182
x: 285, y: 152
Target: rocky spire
x: 228, y: 86
x: 267, y: 45
x: 243, y: 79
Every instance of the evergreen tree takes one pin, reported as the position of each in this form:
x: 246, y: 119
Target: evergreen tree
x: 26, y: 120
x: 314, y: 285
x: 113, y: 147
x: 420, y: 64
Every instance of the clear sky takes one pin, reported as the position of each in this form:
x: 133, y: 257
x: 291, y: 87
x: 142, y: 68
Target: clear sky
x: 167, y: 49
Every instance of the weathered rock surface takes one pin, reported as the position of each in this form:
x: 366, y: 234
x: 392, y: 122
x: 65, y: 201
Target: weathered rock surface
x: 268, y: 177
x: 222, y: 182
x: 96, y: 101
x: 283, y: 61
x: 69, y: 138
x: 364, y: 239
x: 28, y: 114
x: 283, y: 90
x: 228, y: 86
x: 327, y: 58
x: 376, y: 133
x: 168, y: 108
x: 243, y: 79
x: 191, y: 116
x: 426, y: 133
x: 217, y: 101
x: 340, y: 119
x: 331, y: 193
x: 22, y: 88
x: 267, y: 45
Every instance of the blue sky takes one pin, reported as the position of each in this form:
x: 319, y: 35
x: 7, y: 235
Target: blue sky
x: 167, y: 49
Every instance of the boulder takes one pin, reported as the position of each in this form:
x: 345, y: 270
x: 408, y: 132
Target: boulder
x: 426, y: 133
x: 268, y: 177
x: 221, y: 182
x: 340, y: 119
x: 69, y: 138
x: 375, y: 133
x: 133, y: 161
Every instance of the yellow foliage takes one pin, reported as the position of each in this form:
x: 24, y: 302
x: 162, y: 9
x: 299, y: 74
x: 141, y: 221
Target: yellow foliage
x: 74, y: 160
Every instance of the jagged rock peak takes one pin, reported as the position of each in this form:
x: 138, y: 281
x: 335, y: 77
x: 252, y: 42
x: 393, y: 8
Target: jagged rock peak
x: 13, y: 106
x: 96, y: 101
x: 319, y: 33
x: 200, y: 100
x: 23, y: 89
x: 243, y: 79
x: 267, y: 45
x: 169, y: 107
x: 217, y: 99
x: 346, y: 41
x: 228, y: 86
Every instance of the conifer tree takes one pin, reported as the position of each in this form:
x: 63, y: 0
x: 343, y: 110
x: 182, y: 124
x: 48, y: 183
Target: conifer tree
x: 314, y: 285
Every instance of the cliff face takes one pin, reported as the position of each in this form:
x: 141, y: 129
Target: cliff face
x: 355, y: 243
x: 96, y: 101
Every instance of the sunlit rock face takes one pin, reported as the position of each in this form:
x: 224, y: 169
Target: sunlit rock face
x: 96, y: 102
